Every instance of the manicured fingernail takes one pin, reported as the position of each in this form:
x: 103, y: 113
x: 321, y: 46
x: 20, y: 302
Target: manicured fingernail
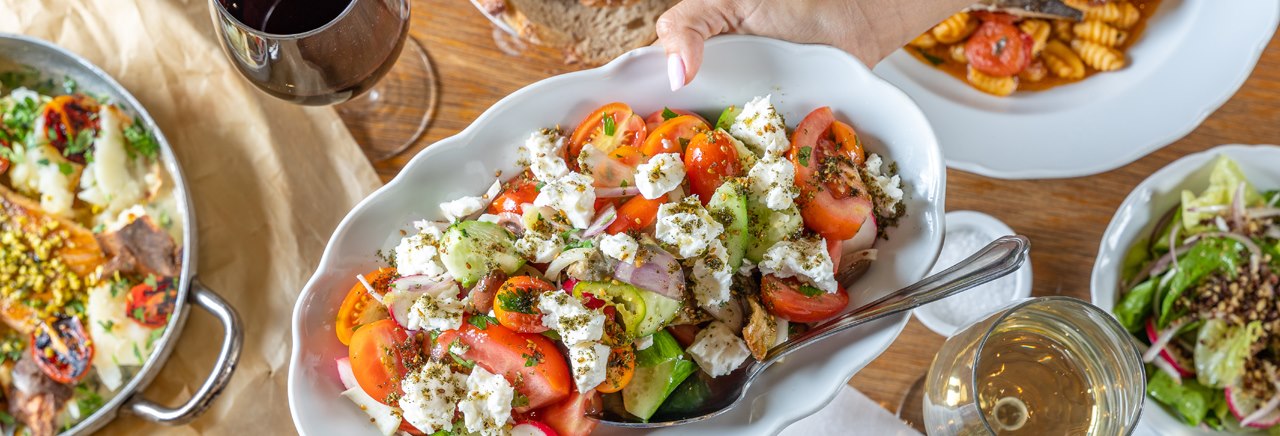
x: 675, y: 71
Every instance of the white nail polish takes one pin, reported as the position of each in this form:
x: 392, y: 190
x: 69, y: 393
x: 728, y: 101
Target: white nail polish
x: 675, y: 71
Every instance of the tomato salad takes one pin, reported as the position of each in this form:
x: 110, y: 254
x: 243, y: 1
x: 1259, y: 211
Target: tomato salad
x: 632, y: 259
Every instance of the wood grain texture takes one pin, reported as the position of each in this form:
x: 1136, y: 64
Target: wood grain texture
x: 1064, y: 218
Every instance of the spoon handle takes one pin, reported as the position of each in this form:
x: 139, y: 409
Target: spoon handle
x: 999, y: 258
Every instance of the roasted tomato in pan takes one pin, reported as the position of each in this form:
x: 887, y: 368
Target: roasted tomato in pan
x: 62, y: 349
x: 151, y: 302
x: 999, y: 49
x: 359, y: 308
x: 71, y: 122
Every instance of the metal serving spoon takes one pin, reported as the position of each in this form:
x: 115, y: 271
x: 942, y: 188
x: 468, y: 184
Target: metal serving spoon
x: 999, y: 258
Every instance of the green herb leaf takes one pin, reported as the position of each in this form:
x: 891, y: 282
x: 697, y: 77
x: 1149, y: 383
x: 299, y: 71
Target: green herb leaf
x: 107, y: 325
x: 519, y: 400
x: 138, y: 314
x: 810, y: 291
x: 6, y: 418
x: 586, y: 243
x: 518, y: 301
x: 532, y: 358
x: 140, y: 142
x: 805, y: 152
x: 667, y: 114
x: 459, y: 359
x: 610, y: 128
x: 65, y: 168
x: 482, y: 322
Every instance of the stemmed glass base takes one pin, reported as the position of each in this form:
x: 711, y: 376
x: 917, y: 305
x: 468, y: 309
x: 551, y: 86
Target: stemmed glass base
x: 392, y: 115
x: 911, y: 409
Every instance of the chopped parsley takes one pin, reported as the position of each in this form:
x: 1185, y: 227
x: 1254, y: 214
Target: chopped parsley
x: 805, y: 152
x: 667, y: 114
x: 459, y: 359
x: 810, y: 291
x: 80, y: 142
x: 481, y: 322
x: 107, y: 325
x: 65, y: 168
x: 518, y: 301
x: 87, y: 399
x: 139, y: 315
x: 586, y: 243
x: 610, y: 127
x: 140, y: 142
x: 533, y: 357
x: 6, y: 418
x: 519, y: 400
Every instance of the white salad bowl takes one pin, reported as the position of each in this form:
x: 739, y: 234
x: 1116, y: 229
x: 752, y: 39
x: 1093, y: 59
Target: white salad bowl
x: 800, y: 78
x: 1192, y: 57
x: 1139, y: 213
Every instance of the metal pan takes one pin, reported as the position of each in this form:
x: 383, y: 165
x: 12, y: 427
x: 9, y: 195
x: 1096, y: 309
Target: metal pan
x: 17, y: 51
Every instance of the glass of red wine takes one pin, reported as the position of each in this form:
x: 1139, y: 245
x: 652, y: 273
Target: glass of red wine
x: 355, y: 54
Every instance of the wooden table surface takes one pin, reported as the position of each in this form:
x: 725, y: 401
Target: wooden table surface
x: 1064, y: 218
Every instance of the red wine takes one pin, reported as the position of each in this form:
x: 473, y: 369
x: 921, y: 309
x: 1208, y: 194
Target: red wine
x: 285, y: 17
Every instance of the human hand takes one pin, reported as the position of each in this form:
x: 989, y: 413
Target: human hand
x: 867, y: 29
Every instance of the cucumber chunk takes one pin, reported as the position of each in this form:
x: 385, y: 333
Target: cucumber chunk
x: 659, y: 370
x: 470, y: 249
x: 643, y: 312
x: 727, y: 117
x: 767, y: 227
x: 729, y: 206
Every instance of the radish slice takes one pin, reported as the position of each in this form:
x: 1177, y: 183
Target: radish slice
x: 660, y: 272
x: 568, y: 257
x: 1183, y: 367
x: 1160, y: 341
x: 1249, y: 412
x: 603, y: 220
x: 345, y: 374
x: 385, y: 417
x: 533, y: 428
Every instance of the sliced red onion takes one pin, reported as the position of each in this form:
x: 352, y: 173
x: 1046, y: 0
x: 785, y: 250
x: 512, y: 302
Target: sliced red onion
x: 1173, y: 245
x: 629, y: 191
x: 345, y: 374
x: 376, y: 296
x: 1210, y: 209
x: 407, y: 290
x: 1237, y: 208
x: 1263, y: 212
x: 1161, y: 341
x: 603, y: 220
x: 659, y: 272
x: 676, y: 194
x: 566, y: 258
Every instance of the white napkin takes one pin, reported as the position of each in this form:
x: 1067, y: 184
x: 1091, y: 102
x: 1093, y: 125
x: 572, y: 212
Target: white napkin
x: 850, y: 412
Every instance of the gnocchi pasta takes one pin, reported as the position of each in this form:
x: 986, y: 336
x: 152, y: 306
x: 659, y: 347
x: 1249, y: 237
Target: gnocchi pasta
x: 1000, y: 53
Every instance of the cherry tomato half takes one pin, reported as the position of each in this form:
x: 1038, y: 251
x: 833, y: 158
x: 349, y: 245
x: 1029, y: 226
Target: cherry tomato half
x: 620, y: 370
x: 518, y: 191
x: 636, y: 214
x: 833, y: 200
x: 709, y: 160
x: 570, y: 417
x: 999, y: 49
x: 150, y: 303
x: 657, y: 117
x: 609, y: 127
x: 378, y: 354
x: 516, y: 304
x: 530, y: 358
x: 790, y: 300
x: 673, y: 135
x: 63, y: 350
x: 359, y: 308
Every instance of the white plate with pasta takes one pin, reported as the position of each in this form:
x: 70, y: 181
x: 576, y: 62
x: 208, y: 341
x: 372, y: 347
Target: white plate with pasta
x: 1171, y: 68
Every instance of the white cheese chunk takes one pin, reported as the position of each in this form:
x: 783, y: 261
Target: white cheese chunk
x: 712, y: 276
x: 117, y: 339
x: 486, y: 408
x: 619, y: 246
x: 717, y: 350
x: 544, y: 151
x: 773, y: 181
x: 644, y: 343
x: 761, y: 129
x: 747, y: 267
x: 589, y: 360
x: 384, y: 417
x: 890, y: 186
x: 431, y: 395
x: 687, y: 227
x: 539, y: 248
x: 419, y: 254
x: 806, y: 258
x: 460, y: 209
x: 660, y: 175
x: 572, y: 195
x: 441, y: 310
x: 568, y: 317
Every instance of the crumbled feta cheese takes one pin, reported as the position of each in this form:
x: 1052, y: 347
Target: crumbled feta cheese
x: 488, y: 218
x: 773, y: 180
x: 543, y: 150
x: 573, y: 195
x: 430, y: 397
x: 568, y: 317
x: 619, y: 246
x: 660, y: 175
x: 419, y: 254
x: 717, y: 350
x: 890, y: 186
x: 761, y: 129
x: 539, y: 248
x: 712, y: 275
x: 687, y: 226
x: 807, y: 258
x: 459, y: 209
x: 644, y: 343
x: 440, y: 310
x: 486, y: 408
x: 747, y: 267
x: 589, y: 361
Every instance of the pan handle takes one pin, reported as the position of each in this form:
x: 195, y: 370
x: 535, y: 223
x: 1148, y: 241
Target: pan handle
x: 232, y: 340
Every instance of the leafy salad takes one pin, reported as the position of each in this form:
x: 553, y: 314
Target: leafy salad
x: 630, y: 263
x: 1201, y: 294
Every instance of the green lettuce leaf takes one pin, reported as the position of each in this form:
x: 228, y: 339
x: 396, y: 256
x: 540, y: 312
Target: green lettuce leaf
x: 1191, y: 400
x: 1135, y: 307
x: 1223, y: 181
x: 1221, y: 351
x: 1207, y: 257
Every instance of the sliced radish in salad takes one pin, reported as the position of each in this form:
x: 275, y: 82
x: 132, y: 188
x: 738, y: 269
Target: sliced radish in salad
x: 345, y: 374
x: 1160, y: 345
x: 533, y: 428
x: 1251, y: 411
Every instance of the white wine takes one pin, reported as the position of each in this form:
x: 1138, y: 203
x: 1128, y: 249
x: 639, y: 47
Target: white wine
x: 1030, y: 384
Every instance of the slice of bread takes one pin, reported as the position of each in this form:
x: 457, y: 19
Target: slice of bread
x: 587, y: 34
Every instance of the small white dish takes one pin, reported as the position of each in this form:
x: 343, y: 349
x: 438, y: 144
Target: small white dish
x: 1138, y: 214
x: 800, y: 77
x: 1192, y: 57
x: 968, y: 231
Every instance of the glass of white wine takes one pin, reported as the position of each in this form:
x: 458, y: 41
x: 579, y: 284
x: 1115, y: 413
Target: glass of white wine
x: 1040, y: 366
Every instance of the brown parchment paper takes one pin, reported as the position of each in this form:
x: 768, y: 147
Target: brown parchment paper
x: 269, y: 181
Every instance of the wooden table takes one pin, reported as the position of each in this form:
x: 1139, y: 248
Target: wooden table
x: 1064, y: 218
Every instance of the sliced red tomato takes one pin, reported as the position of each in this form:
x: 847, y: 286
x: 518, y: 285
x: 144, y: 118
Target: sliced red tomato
x: 150, y: 303
x: 359, y: 308
x: 709, y: 160
x: 569, y: 417
x: 531, y: 362
x: 793, y: 301
x: 62, y: 349
x: 516, y: 304
x: 521, y: 190
x: 673, y: 135
x: 609, y: 127
x: 657, y: 117
x: 999, y: 48
x: 847, y: 142
x: 378, y: 354
x: 636, y: 214
x: 833, y: 200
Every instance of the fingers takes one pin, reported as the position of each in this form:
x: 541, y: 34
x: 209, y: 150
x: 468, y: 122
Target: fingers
x: 683, y: 29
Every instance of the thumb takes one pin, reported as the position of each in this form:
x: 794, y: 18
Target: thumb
x: 684, y: 28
